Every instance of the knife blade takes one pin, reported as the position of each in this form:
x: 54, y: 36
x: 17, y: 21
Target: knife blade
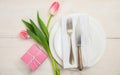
x: 78, y: 44
x: 78, y: 33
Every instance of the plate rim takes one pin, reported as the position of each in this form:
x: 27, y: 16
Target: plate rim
x: 98, y: 24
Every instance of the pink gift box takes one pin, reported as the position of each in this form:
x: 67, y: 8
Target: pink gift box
x: 34, y: 57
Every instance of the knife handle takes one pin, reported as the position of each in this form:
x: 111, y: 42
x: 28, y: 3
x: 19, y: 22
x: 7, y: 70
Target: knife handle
x: 80, y: 63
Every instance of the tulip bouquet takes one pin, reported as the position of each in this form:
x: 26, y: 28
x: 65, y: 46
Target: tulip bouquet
x: 41, y: 35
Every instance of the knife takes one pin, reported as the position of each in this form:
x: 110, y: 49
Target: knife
x: 78, y: 44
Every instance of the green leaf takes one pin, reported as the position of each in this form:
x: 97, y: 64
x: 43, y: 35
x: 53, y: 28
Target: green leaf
x: 37, y: 30
x: 28, y: 25
x: 36, y: 38
x: 42, y: 26
x: 39, y: 34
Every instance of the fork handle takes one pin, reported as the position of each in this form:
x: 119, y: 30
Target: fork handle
x: 80, y: 63
x: 71, y: 58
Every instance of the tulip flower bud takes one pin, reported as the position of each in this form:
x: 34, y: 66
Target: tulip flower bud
x: 54, y: 8
x: 23, y: 34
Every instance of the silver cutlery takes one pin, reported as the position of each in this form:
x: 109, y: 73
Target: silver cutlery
x: 78, y: 44
x: 69, y: 27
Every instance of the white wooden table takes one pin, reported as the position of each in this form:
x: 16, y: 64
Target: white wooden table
x: 12, y: 47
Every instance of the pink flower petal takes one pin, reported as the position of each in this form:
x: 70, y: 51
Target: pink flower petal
x: 54, y: 8
x: 23, y: 34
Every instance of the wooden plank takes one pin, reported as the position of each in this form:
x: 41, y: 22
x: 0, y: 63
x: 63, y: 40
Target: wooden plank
x: 105, y: 11
x: 11, y: 49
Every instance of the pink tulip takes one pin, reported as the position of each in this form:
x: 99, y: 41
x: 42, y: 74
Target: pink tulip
x: 23, y: 34
x: 54, y: 8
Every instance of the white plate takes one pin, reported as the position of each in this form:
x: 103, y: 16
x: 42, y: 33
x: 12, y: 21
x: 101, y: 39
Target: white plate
x: 96, y: 38
x: 51, y: 43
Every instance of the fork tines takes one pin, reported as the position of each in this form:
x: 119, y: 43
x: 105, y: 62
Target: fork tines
x: 69, y: 23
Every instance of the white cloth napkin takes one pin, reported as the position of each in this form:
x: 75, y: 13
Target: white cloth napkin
x: 65, y: 40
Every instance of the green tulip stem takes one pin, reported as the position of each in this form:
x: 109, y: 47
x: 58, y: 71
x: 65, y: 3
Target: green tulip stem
x: 49, y: 19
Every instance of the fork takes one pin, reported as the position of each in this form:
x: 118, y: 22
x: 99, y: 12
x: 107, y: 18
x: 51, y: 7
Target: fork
x: 69, y: 27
